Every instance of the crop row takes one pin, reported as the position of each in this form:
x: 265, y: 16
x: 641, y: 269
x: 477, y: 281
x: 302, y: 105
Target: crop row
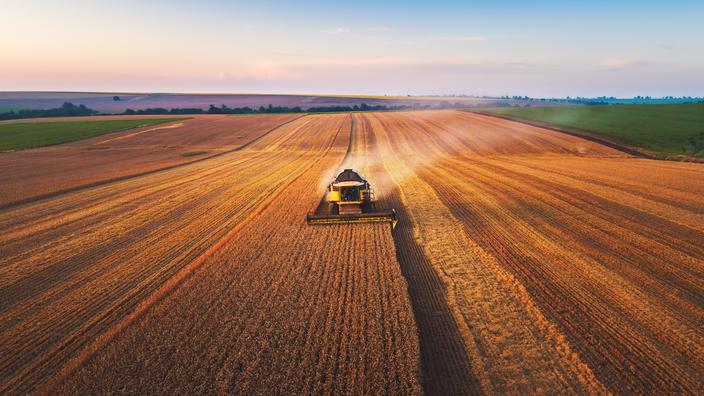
x: 280, y: 307
x: 74, y: 265
x: 46, y: 171
x: 531, y: 229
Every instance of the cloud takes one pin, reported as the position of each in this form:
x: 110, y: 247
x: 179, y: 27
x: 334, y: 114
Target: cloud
x: 335, y: 31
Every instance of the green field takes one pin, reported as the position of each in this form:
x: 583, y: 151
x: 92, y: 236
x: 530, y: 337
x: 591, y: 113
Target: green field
x: 666, y: 130
x: 19, y: 136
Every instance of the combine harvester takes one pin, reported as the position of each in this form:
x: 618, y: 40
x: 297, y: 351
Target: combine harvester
x: 350, y: 199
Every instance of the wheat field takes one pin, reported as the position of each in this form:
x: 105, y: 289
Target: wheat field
x: 524, y: 261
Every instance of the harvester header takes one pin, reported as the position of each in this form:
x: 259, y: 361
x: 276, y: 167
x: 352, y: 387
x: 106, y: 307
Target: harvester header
x: 350, y: 199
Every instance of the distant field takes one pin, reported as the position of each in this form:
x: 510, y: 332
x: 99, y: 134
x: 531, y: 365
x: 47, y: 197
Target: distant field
x: 21, y: 136
x: 667, y: 130
x: 104, y: 103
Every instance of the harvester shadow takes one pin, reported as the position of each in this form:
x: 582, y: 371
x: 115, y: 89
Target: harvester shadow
x: 446, y: 368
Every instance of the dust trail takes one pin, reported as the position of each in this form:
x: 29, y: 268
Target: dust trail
x: 430, y: 136
x: 354, y: 158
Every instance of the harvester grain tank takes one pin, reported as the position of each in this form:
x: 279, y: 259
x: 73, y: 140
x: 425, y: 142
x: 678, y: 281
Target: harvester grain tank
x: 350, y: 199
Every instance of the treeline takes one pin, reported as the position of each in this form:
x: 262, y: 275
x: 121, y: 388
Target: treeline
x: 71, y: 110
x: 610, y: 100
x: 66, y: 110
x: 271, y: 109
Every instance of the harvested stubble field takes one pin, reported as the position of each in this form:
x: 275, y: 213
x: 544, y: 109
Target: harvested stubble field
x: 526, y: 261
x: 42, y: 172
x: 569, y: 266
x: 279, y: 307
x: 75, y: 265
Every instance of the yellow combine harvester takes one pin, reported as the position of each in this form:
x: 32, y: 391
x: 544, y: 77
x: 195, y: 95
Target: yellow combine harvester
x: 350, y: 199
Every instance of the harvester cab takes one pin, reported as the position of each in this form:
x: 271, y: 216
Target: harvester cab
x: 350, y: 199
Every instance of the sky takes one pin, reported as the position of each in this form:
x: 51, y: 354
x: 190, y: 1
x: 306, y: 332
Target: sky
x: 535, y: 48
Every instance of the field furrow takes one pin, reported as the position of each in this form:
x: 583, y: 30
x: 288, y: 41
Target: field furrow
x: 446, y: 366
x: 279, y: 307
x: 525, y: 261
x: 47, y: 171
x: 511, y: 346
x: 608, y: 248
x: 65, y: 282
